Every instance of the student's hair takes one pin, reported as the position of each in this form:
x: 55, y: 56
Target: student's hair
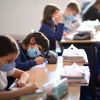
x: 97, y: 2
x: 47, y: 14
x: 7, y: 45
x: 40, y: 39
x: 73, y: 6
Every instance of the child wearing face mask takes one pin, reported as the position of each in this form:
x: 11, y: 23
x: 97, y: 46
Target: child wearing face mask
x: 32, y: 51
x: 8, y: 53
x: 71, y: 17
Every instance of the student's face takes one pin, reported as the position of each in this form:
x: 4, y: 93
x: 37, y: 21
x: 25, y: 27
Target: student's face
x: 34, y: 50
x: 36, y: 46
x: 70, y: 12
x: 33, y: 44
x: 67, y: 12
x: 57, y: 15
x: 8, y: 59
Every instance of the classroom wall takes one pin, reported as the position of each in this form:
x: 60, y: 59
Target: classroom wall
x: 18, y: 17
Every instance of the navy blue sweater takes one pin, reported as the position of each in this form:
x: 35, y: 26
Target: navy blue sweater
x: 23, y: 62
x: 52, y: 34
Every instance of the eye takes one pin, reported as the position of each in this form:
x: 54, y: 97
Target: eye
x: 9, y: 61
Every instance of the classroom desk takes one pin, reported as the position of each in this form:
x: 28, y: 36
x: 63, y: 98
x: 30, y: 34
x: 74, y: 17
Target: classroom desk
x: 89, y: 47
x: 52, y: 71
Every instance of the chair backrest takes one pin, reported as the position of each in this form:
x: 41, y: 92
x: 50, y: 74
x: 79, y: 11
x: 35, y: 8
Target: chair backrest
x: 85, y: 9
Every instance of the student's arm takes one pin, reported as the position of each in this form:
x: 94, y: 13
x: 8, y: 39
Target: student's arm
x: 25, y: 65
x: 22, y: 76
x: 8, y: 95
x: 50, y: 33
x: 29, y: 63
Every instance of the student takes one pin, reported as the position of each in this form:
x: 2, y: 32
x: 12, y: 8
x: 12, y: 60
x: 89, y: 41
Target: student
x: 93, y: 12
x: 32, y: 50
x: 8, y: 53
x: 52, y: 25
x: 71, y: 17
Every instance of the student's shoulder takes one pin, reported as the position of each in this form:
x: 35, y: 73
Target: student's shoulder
x: 44, y: 26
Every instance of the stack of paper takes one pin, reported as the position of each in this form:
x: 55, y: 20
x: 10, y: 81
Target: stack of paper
x: 76, y: 74
x: 74, y: 55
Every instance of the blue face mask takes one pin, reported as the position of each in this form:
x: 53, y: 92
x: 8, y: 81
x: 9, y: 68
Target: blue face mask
x: 8, y: 67
x: 71, y: 18
x: 33, y: 52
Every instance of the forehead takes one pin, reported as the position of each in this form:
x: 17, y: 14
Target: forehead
x: 57, y: 12
x: 10, y: 57
x: 32, y: 40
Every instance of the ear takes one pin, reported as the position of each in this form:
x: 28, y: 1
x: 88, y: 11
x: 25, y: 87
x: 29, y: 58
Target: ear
x: 32, y: 40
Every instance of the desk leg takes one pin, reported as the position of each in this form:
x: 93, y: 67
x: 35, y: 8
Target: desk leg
x: 88, y: 91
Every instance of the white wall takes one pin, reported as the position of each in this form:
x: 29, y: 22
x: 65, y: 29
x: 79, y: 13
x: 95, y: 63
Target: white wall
x: 18, y: 17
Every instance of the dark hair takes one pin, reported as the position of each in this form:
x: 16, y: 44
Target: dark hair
x: 97, y: 2
x: 73, y: 6
x: 47, y: 14
x: 7, y: 46
x: 40, y: 39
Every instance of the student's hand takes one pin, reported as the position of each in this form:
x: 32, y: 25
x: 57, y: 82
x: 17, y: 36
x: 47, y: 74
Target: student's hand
x: 65, y: 34
x: 20, y: 83
x: 32, y: 88
x: 39, y: 60
x: 58, y: 17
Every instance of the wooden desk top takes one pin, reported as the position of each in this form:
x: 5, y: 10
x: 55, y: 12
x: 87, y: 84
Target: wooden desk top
x: 93, y: 40
x: 51, y: 71
x: 79, y: 41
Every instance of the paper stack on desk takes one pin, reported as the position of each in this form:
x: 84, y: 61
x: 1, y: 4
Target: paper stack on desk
x: 76, y: 74
x: 74, y: 55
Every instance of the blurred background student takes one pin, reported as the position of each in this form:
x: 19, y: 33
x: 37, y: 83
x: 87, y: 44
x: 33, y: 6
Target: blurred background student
x: 52, y: 25
x: 72, y: 16
x: 8, y: 53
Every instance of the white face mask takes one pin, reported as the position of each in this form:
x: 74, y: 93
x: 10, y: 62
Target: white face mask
x: 33, y: 52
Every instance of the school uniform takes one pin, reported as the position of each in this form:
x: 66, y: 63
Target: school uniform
x: 53, y: 34
x: 23, y: 62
